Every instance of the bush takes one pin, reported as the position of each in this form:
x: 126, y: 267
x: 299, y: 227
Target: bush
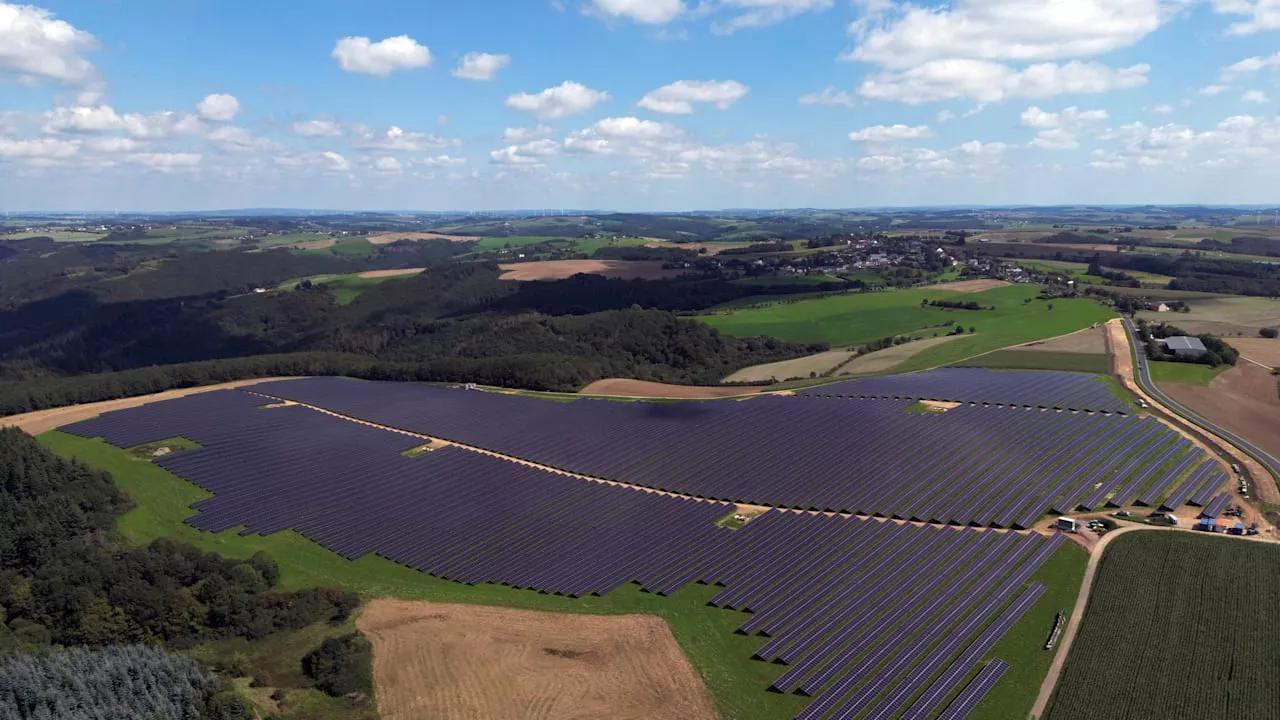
x: 341, y: 665
x: 1269, y: 332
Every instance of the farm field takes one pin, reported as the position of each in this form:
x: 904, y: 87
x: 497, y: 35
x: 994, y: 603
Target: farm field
x: 892, y: 358
x: 1185, y: 373
x: 434, y: 660
x: 1021, y: 359
x: 56, y: 236
x: 1086, y: 342
x: 1079, y: 272
x: 1177, y: 625
x: 1244, y: 400
x: 1265, y: 351
x: 346, y: 288
x: 854, y: 319
x: 819, y: 363
x: 721, y: 656
x: 1248, y: 313
x: 968, y: 286
x: 560, y: 269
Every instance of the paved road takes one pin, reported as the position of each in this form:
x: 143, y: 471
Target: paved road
x: 1149, y: 386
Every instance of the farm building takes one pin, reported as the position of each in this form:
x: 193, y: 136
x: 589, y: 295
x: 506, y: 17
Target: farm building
x: 1185, y: 347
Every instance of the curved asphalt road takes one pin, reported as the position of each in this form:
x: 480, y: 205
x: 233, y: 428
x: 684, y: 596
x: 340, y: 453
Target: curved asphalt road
x: 1149, y: 386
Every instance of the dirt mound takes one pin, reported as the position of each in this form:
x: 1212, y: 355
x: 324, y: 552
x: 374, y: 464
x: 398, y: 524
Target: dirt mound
x: 561, y: 269
x: 624, y: 387
x: 969, y: 286
x: 469, y: 661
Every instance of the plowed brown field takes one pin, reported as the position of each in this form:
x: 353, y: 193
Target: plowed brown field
x: 470, y: 661
x: 387, y: 238
x: 1244, y: 400
x: 561, y: 269
x: 624, y: 387
x: 969, y: 286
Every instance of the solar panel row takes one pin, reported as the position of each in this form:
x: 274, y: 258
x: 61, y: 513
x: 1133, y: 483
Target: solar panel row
x: 1216, y: 506
x: 831, y: 591
x: 1179, y: 497
x: 972, y: 694
x: 1208, y: 487
x: 867, y: 457
x: 1027, y: 388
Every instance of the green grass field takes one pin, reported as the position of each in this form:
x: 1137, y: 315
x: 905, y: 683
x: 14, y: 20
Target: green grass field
x: 1188, y: 373
x: 56, y: 236
x: 849, y: 320
x: 346, y: 288
x: 706, y: 634
x: 498, y: 243
x: 1038, y: 360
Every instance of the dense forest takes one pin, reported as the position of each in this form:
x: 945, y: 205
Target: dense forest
x: 454, y: 322
x: 66, y: 580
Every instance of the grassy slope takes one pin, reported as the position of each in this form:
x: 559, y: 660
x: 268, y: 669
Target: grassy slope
x: 706, y: 634
x: 1189, y: 373
x: 1037, y: 360
x: 346, y: 288
x: 858, y: 318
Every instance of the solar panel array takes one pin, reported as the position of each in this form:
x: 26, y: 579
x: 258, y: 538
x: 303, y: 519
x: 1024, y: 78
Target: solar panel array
x: 1003, y: 467
x: 872, y: 618
x: 1025, y: 388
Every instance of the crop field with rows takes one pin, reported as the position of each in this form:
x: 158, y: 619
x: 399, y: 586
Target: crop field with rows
x: 1177, y: 626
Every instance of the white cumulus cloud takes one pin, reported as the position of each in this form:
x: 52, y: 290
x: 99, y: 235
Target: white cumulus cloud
x: 568, y: 98
x: 891, y: 133
x: 38, y: 148
x: 986, y: 81
x: 336, y: 161
x: 317, y: 128
x: 829, y: 96
x: 167, y: 162
x: 1255, y: 96
x: 1261, y: 15
x: 1061, y: 130
x: 1250, y: 65
x: 34, y: 45
x: 480, y: 66
x: 360, y: 55
x: 219, y: 106
x: 649, y: 12
x: 397, y: 139
x: 679, y: 97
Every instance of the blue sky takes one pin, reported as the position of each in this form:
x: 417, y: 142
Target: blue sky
x: 636, y: 104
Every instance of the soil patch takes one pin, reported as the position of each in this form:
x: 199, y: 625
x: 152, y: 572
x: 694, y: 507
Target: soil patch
x: 469, y: 661
x: 1260, y: 350
x: 889, y: 358
x: 939, y: 405
x: 320, y: 244
x: 1244, y: 400
x: 40, y: 421
x: 561, y: 269
x: 969, y: 286
x: 391, y: 273
x: 1201, y: 327
x: 1087, y: 342
x: 624, y: 387
x: 820, y: 363
x: 386, y: 238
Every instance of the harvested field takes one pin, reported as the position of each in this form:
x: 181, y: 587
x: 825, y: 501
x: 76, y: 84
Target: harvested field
x: 386, y: 238
x: 625, y: 387
x: 1249, y: 312
x: 1244, y: 400
x: 820, y: 363
x: 1200, y: 327
x: 561, y: 269
x: 970, y: 286
x: 41, y: 421
x: 401, y: 272
x: 470, y: 661
x: 711, y: 248
x: 1260, y: 350
x: 889, y: 358
x: 1090, y: 342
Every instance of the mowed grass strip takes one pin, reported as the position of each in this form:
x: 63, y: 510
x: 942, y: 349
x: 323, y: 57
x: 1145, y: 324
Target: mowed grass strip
x: 706, y: 634
x: 1036, y: 360
x: 1178, y: 625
